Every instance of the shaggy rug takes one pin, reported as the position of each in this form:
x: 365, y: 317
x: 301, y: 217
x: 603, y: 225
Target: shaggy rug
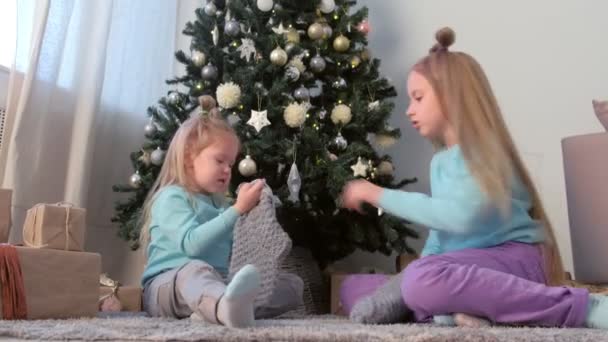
x: 317, y: 328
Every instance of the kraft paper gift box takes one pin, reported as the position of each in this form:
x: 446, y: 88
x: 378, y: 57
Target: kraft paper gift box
x: 56, y: 284
x: 128, y: 296
x: 55, y: 226
x: 5, y: 214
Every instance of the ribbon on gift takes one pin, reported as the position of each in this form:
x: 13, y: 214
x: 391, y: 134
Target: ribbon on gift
x: 14, y: 305
x: 30, y: 221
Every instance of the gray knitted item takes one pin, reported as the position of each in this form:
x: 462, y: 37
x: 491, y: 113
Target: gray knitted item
x: 259, y: 239
x: 384, y: 306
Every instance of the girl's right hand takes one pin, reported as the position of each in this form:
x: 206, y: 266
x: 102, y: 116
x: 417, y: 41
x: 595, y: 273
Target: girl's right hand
x: 249, y: 196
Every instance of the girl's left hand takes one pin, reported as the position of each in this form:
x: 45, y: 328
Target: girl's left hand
x: 359, y: 191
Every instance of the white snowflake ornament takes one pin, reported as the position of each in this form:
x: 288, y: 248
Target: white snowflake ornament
x: 247, y: 49
x: 259, y: 120
x: 360, y: 168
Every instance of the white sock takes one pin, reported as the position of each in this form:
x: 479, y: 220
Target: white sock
x: 235, y: 308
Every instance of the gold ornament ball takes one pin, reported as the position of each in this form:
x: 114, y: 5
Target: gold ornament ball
x: 315, y: 31
x: 292, y: 36
x: 278, y: 56
x: 366, y: 55
x: 355, y: 61
x: 341, y: 43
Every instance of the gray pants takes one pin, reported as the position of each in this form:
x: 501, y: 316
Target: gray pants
x: 196, y: 287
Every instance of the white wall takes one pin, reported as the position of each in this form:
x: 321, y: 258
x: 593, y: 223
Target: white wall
x: 546, y: 61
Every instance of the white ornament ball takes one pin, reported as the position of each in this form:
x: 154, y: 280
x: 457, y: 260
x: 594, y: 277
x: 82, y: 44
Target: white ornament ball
x: 198, y: 58
x: 265, y: 5
x: 228, y: 95
x: 341, y: 114
x: 385, y: 168
x: 385, y: 141
x: 135, y: 180
x: 157, y: 157
x: 294, y: 115
x: 247, y: 167
x: 278, y: 56
x: 327, y: 6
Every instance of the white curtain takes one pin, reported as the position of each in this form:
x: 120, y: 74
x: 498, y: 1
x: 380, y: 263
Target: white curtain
x: 84, y: 74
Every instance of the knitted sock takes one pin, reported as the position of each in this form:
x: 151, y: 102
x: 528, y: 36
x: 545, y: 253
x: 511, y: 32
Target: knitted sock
x: 383, y: 306
x: 259, y: 239
x: 597, y: 312
x: 235, y: 308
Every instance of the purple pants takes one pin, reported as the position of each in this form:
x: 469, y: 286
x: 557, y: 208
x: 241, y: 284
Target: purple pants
x: 505, y: 284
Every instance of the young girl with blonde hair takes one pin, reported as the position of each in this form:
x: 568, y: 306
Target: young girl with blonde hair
x: 491, y: 251
x: 187, y: 229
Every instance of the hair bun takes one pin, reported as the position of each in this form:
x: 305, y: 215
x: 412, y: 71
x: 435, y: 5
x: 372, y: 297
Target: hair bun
x: 445, y: 37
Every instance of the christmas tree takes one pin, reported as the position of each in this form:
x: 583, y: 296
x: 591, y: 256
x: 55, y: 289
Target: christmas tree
x: 301, y: 89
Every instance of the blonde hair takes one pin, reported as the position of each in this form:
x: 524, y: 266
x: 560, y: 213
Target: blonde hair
x: 468, y: 102
x: 194, y: 135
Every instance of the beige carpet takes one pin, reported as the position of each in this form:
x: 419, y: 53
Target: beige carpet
x: 320, y: 328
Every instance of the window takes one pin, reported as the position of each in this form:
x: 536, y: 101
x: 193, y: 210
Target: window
x: 8, y: 29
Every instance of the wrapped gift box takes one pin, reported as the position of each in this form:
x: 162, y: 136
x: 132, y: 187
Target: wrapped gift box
x: 129, y: 296
x: 5, y: 214
x: 55, y: 226
x: 57, y: 284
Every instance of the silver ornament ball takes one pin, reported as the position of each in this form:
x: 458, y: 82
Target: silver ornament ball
x: 327, y: 31
x: 135, y: 180
x: 340, y: 142
x: 157, y: 157
x: 232, y: 28
x: 209, y: 72
x: 301, y: 94
x: 317, y: 64
x: 292, y: 73
x: 210, y: 9
x: 150, y: 129
x: 289, y: 47
x: 247, y: 167
x: 339, y: 83
x: 173, y: 97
